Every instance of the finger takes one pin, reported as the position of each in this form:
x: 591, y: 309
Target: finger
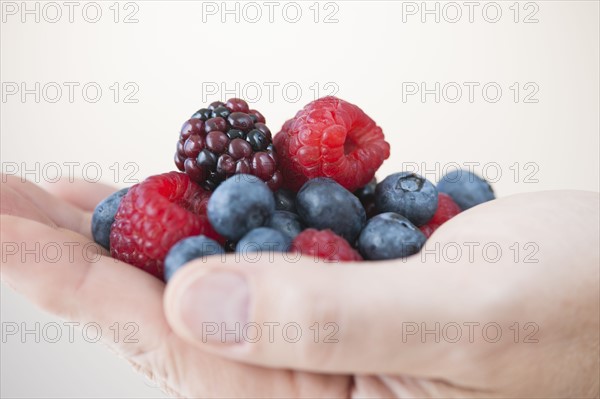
x: 53, y: 269
x: 70, y: 276
x: 372, y: 306
x: 60, y: 212
x: 81, y: 193
x: 13, y: 203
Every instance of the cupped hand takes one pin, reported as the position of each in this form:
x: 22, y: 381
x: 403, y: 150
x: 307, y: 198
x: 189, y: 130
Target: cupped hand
x: 524, y: 267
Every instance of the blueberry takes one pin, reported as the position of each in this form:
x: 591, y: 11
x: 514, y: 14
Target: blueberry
x: 264, y: 239
x: 287, y: 222
x: 285, y: 200
x: 367, y: 192
x: 240, y: 204
x: 466, y: 188
x: 323, y: 204
x: 389, y: 236
x: 408, y: 194
x: 188, y: 249
x: 104, y: 216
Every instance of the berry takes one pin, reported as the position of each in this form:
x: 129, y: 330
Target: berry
x: 389, y: 236
x: 264, y: 239
x: 466, y: 188
x: 154, y: 215
x: 330, y: 138
x: 104, y: 216
x: 446, y: 210
x: 189, y: 249
x: 366, y: 195
x: 285, y: 200
x: 408, y: 194
x: 326, y: 245
x: 324, y: 204
x: 225, y: 139
x: 239, y: 205
x: 287, y: 222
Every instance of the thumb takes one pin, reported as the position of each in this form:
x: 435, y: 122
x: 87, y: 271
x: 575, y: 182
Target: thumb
x: 333, y: 318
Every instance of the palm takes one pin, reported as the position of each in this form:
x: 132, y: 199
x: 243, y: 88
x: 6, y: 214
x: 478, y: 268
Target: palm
x: 91, y: 287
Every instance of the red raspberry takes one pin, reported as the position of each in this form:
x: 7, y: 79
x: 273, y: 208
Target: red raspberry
x: 330, y: 138
x: 326, y: 245
x: 154, y: 215
x: 446, y: 210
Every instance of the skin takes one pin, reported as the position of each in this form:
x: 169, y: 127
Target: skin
x: 369, y: 302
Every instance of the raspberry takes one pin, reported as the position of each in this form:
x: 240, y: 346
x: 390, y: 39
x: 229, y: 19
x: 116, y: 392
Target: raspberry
x: 324, y: 244
x: 446, y: 210
x: 224, y: 139
x: 330, y: 138
x: 156, y: 214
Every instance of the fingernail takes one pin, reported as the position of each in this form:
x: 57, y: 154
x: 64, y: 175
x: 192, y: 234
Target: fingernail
x: 215, y: 307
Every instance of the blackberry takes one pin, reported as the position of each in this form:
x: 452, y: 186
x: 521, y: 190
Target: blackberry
x: 224, y: 139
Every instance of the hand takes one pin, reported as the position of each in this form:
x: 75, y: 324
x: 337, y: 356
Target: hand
x: 373, y: 305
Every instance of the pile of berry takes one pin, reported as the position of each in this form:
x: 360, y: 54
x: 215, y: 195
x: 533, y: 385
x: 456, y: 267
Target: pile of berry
x: 310, y: 189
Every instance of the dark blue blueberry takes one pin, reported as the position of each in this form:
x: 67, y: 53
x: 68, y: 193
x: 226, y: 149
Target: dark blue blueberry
x: 389, y: 236
x: 287, y: 222
x: 285, y: 200
x: 104, y: 216
x: 264, y: 239
x: 466, y: 188
x: 188, y: 249
x: 408, y: 194
x: 241, y: 203
x: 323, y: 204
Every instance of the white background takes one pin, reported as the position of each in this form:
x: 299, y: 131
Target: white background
x: 177, y: 53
